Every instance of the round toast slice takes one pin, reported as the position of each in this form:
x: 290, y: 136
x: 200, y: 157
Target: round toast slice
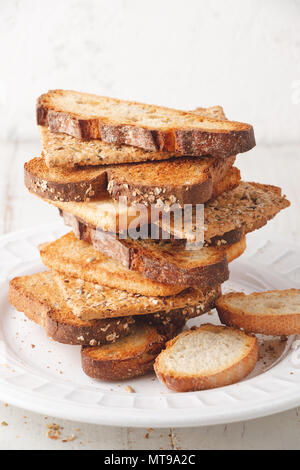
x: 206, y: 357
x: 275, y: 312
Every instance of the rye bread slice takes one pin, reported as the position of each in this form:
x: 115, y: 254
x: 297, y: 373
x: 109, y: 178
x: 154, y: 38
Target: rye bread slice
x: 249, y: 206
x: 183, y: 181
x: 169, y: 263
x: 79, y: 259
x: 126, y: 359
x: 39, y: 298
x: 62, y: 150
x: 152, y: 128
x: 92, y: 301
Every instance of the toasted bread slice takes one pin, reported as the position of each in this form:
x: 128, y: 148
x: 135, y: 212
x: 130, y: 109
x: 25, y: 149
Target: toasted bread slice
x: 62, y: 150
x: 152, y: 128
x: 165, y: 262
x: 79, y: 259
x: 275, y: 312
x: 179, y: 181
x: 249, y: 206
x: 235, y: 250
x: 90, y: 301
x: 39, y: 298
x: 127, y: 358
x: 206, y: 357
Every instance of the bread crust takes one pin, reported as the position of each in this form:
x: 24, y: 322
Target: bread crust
x: 263, y: 323
x: 182, y: 141
x: 230, y: 375
x: 149, y: 262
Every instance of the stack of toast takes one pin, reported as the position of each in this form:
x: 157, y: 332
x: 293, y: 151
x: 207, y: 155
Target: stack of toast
x: 117, y: 170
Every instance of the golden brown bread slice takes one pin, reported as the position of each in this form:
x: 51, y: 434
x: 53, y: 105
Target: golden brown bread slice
x: 206, y: 357
x: 275, y: 312
x: 126, y: 358
x: 39, y: 298
x: 249, y: 206
x: 183, y: 181
x: 163, y: 262
x: 79, y: 259
x: 62, y: 150
x: 152, y: 128
x: 92, y: 301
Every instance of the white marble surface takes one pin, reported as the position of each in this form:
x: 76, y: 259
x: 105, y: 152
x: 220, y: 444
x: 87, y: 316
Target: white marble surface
x: 278, y: 165
x: 243, y: 55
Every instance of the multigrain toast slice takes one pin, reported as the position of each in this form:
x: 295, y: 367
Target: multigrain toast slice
x: 206, y: 357
x: 127, y: 358
x: 249, y: 206
x: 152, y: 128
x: 79, y: 259
x: 275, y: 312
x: 183, y: 181
x: 91, y: 301
x: 158, y: 260
x: 39, y: 298
x: 62, y: 150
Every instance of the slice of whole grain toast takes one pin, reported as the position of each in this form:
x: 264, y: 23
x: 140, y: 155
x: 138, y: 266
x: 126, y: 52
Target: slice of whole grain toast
x: 183, y: 181
x: 39, y: 298
x: 88, y: 300
x: 158, y: 260
x: 77, y: 258
x: 249, y: 206
x: 152, y: 128
x: 127, y: 358
x: 62, y: 150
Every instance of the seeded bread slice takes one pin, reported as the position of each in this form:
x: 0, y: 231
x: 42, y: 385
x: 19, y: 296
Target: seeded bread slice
x: 249, y: 206
x: 39, y: 298
x: 91, y: 301
x: 126, y: 359
x: 79, y: 259
x: 206, y: 357
x: 62, y: 150
x: 181, y: 181
x: 275, y: 312
x: 152, y: 128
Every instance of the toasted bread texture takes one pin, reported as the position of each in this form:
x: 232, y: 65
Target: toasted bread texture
x: 275, y: 312
x: 152, y: 128
x: 62, y: 150
x: 206, y: 357
x: 79, y: 259
x: 235, y: 250
x: 249, y: 206
x: 179, y: 181
x: 90, y: 301
x: 39, y: 298
x: 127, y: 359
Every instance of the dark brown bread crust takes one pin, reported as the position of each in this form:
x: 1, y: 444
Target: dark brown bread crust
x: 137, y: 258
x: 139, y: 183
x: 182, y: 141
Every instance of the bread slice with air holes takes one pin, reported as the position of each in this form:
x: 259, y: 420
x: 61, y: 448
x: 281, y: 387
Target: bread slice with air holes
x: 163, y: 262
x: 152, y: 128
x: 206, y: 357
x: 182, y: 181
x: 275, y: 312
x: 39, y: 298
x: 62, y: 150
x: 129, y: 357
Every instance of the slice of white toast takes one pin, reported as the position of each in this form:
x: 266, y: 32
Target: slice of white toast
x: 206, y: 357
x: 275, y: 312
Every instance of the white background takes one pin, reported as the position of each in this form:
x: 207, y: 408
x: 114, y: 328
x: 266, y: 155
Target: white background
x: 243, y: 54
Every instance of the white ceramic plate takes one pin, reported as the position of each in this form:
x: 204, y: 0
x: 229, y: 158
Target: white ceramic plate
x: 41, y: 375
